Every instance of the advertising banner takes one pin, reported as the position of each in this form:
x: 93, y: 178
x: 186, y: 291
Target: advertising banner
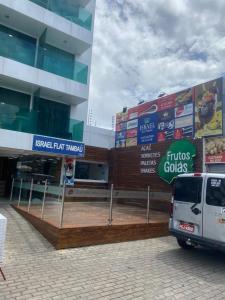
x: 147, y: 129
x: 184, y: 97
x: 121, y: 135
x: 69, y: 171
x: 142, y: 109
x: 166, y: 115
x: 58, y: 146
x: 131, y: 142
x: 121, y: 126
x: 121, y: 117
x: 208, y: 108
x: 165, y: 135
x: 120, y: 143
x: 166, y: 102
x: 131, y: 133
x: 177, y: 160
x: 184, y: 121
x: 184, y: 110
x: 132, y: 124
x: 215, y: 150
x: 183, y: 132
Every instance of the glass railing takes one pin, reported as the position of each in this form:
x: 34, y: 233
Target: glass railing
x: 58, y: 62
x: 69, y: 11
x: 13, y: 118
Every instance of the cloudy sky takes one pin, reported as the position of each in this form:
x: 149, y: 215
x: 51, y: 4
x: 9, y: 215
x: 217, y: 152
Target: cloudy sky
x: 145, y: 47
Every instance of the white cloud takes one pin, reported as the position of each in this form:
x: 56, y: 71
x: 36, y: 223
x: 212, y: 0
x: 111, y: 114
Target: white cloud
x: 142, y: 48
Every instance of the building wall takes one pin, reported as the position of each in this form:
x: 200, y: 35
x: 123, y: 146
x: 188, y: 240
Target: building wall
x: 125, y: 168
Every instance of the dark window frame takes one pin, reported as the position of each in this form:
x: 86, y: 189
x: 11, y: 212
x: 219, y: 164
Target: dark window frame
x: 187, y: 192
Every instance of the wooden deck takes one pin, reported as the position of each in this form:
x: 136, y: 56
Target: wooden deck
x: 87, y: 223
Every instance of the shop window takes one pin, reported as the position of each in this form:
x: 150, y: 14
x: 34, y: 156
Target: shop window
x: 91, y: 171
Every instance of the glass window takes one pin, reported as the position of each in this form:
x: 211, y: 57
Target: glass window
x: 17, y: 46
x: 215, y: 193
x: 188, y: 189
x: 53, y: 118
x: 91, y: 171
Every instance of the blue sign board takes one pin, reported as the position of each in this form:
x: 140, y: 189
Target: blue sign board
x: 57, y: 146
x: 147, y: 129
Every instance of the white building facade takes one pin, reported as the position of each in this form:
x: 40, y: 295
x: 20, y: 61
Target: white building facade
x: 45, y: 60
x: 45, y: 64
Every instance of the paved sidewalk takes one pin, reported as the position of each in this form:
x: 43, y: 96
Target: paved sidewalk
x: 149, y: 269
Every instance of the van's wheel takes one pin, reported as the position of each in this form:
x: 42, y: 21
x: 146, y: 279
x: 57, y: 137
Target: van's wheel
x: 183, y: 244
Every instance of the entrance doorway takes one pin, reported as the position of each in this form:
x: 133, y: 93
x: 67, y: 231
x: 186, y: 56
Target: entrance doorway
x: 7, y: 171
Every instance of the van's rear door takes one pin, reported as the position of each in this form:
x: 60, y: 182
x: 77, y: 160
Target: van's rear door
x: 187, y: 205
x: 214, y: 209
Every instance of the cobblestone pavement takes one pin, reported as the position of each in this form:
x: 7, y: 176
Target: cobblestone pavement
x: 149, y: 269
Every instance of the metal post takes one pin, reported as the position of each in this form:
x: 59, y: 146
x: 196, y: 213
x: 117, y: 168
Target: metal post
x: 43, y: 200
x: 110, y: 206
x: 21, y: 183
x: 148, y: 205
x: 11, y: 193
x: 30, y: 197
x: 62, y: 207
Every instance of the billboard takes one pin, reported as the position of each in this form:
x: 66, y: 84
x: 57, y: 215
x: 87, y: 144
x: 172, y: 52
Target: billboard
x: 215, y: 150
x: 194, y: 112
x: 208, y: 108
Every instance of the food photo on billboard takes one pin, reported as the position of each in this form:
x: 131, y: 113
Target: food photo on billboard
x: 208, y: 109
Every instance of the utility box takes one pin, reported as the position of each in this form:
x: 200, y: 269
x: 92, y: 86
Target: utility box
x: 3, y: 222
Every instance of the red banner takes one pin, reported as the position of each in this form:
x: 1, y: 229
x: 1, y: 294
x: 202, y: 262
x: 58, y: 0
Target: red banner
x: 213, y: 159
x: 166, y: 102
x: 142, y: 109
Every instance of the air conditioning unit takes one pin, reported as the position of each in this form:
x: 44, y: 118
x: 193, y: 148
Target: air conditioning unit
x: 3, y: 222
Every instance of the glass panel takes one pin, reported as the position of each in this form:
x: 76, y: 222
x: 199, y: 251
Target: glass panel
x: 53, y: 204
x: 43, y: 3
x: 76, y: 129
x: 49, y: 114
x: 188, y: 189
x: 16, y: 190
x: 215, y: 194
x: 25, y: 194
x: 55, y: 61
x: 61, y: 63
x: 91, y: 171
x: 17, y: 46
x: 69, y: 10
x: 80, y: 72
x: 43, y: 120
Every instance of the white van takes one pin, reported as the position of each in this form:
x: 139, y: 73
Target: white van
x: 198, y: 210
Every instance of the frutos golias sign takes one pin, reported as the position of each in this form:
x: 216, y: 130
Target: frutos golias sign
x: 177, y: 160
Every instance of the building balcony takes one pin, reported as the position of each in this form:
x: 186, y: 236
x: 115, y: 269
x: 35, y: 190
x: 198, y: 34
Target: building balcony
x: 21, y: 120
x: 23, y: 48
x: 68, y: 10
x: 33, y: 19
